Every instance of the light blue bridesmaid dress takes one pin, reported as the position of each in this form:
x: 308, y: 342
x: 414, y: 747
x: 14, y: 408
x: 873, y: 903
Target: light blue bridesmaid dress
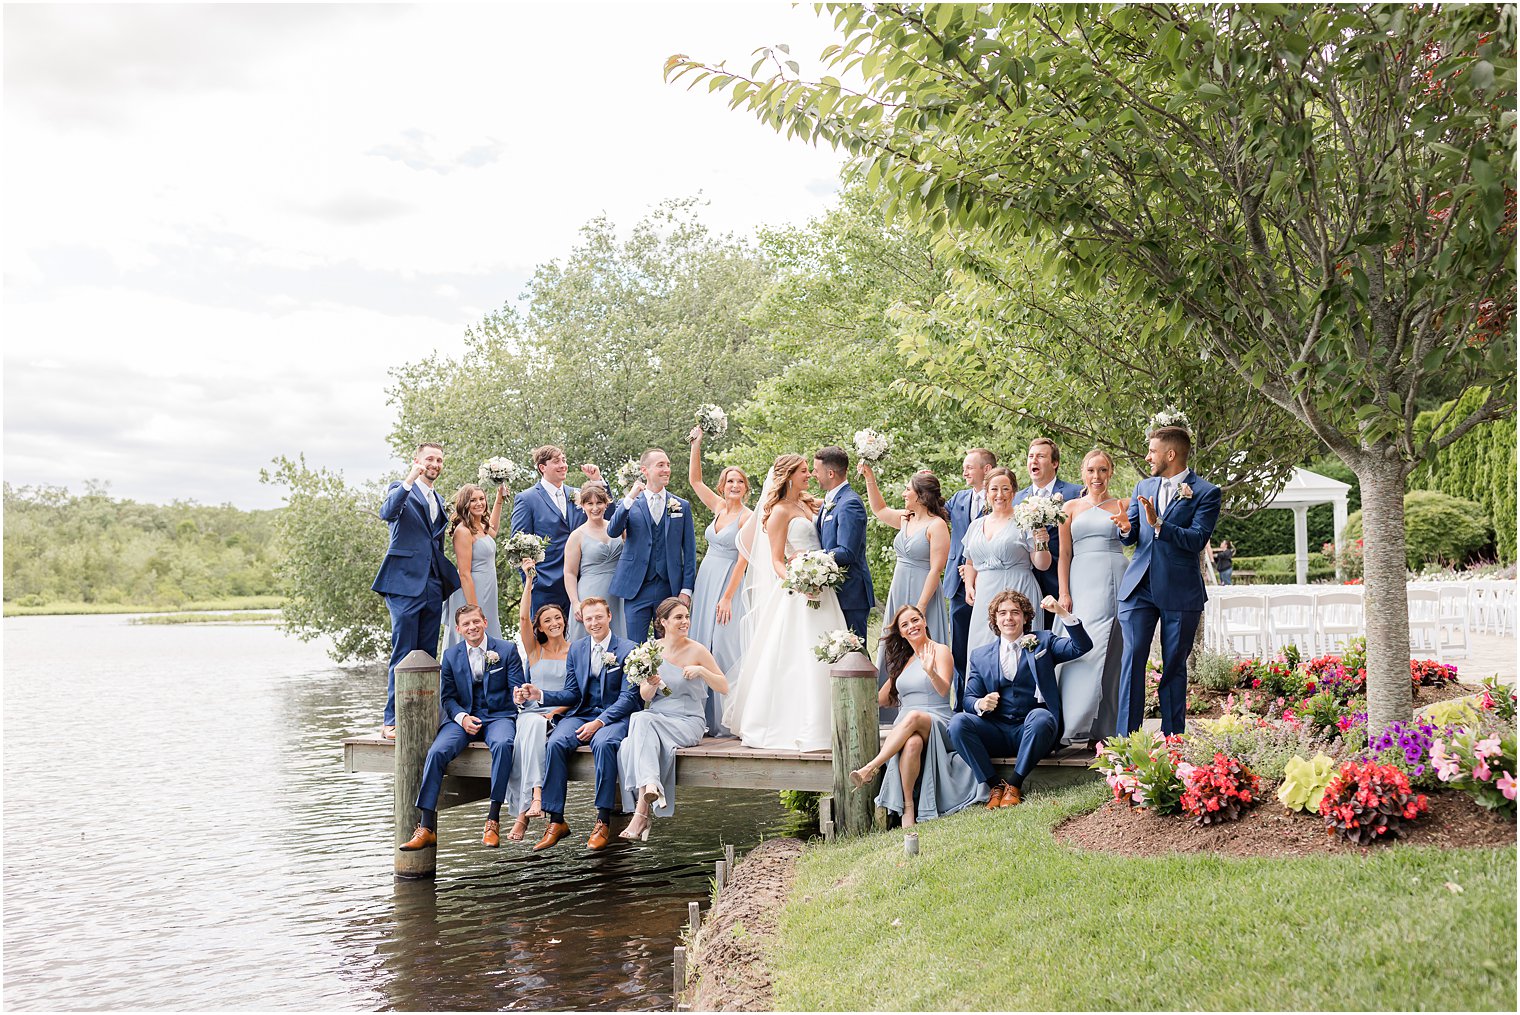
x: 648, y: 754
x: 1001, y: 562
x: 483, y: 572
x: 529, y: 755
x: 946, y: 784
x: 599, y: 562
x: 725, y: 641
x: 1090, y: 684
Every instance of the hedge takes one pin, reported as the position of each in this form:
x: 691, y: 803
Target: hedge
x: 1438, y: 529
x: 1278, y: 569
x: 1478, y: 467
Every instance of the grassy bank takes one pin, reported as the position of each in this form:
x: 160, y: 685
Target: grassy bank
x: 208, y: 618
x: 70, y: 609
x: 995, y: 915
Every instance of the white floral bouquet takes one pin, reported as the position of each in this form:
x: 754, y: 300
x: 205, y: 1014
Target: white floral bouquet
x: 1035, y: 513
x: 835, y: 645
x: 629, y: 473
x: 872, y: 445
x: 810, y: 573
x: 1170, y: 416
x: 643, y: 663
x: 496, y: 471
x: 524, y: 546
x: 713, y: 420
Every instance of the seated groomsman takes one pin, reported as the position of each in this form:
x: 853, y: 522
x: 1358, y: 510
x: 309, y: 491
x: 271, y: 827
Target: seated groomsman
x: 1013, y: 703
x: 478, y: 679
x: 550, y: 510
x: 1043, y: 461
x: 600, y: 700
x: 659, y: 546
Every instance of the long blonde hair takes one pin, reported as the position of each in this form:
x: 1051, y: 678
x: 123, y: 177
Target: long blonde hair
x: 782, y: 471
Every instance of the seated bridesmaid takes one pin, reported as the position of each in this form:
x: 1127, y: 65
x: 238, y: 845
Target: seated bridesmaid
x: 591, y: 559
x: 544, y: 644
x: 925, y: 779
x: 647, y: 759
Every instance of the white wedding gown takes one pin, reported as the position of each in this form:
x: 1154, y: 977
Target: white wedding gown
x: 782, y: 698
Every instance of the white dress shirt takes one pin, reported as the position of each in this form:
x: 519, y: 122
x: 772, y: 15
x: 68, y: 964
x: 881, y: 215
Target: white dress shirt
x: 556, y: 494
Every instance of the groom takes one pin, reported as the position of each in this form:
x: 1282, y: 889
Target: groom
x: 659, y: 547
x: 842, y: 532
x: 415, y: 577
x: 1171, y: 517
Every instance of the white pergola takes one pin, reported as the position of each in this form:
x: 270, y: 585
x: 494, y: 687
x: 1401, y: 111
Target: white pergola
x: 1304, y: 490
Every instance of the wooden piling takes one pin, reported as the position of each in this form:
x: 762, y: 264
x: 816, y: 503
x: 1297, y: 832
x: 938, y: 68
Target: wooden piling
x: 416, y: 725
x: 728, y: 855
x: 856, y: 739
x: 680, y: 970
x: 694, y: 918
x: 720, y: 875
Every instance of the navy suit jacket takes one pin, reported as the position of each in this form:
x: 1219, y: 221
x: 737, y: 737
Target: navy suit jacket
x: 842, y: 531
x: 1171, y: 559
x: 959, y: 506
x: 1016, y: 696
x: 416, y: 547
x: 608, y: 697
x: 502, y: 678
x: 637, y: 528
x: 533, y: 512
x: 1050, y: 578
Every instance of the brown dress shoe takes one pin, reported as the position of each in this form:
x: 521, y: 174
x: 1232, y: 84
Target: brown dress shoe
x: 1011, y: 797
x: 492, y: 836
x: 556, y: 831
x: 422, y: 838
x: 995, y: 796
x: 601, y: 835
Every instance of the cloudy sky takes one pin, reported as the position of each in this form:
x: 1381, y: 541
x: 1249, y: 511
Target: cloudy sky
x: 223, y: 225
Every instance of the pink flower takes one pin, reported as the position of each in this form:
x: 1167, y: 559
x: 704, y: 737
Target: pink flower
x: 1482, y: 772
x: 1486, y: 748
x: 1507, y: 786
x: 1448, y: 766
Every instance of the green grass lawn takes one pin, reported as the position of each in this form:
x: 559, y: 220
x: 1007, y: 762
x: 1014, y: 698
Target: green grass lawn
x: 207, y: 618
x: 993, y: 914
x: 62, y: 608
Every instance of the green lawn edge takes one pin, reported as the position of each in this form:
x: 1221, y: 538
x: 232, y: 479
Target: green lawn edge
x: 200, y: 606
x: 994, y: 914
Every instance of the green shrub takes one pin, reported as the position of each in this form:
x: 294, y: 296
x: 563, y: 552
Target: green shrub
x: 1214, y: 671
x: 1438, y: 528
x: 1279, y: 569
x: 1479, y: 466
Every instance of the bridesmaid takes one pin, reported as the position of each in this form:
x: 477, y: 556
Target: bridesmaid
x: 591, y: 558
x: 717, y: 610
x: 541, y: 633
x: 923, y: 546
x: 925, y: 778
x: 1091, y: 568
x: 998, y: 557
x: 475, y: 553
x: 647, y: 759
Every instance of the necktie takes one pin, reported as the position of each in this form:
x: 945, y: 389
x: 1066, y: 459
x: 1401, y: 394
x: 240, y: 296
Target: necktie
x: 478, y: 664
x: 654, y: 506
x: 597, y: 653
x: 1165, y: 498
x: 559, y: 500
x: 432, y: 503
x: 1010, y: 661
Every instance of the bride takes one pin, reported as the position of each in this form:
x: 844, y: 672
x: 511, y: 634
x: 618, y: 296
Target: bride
x: 782, y: 698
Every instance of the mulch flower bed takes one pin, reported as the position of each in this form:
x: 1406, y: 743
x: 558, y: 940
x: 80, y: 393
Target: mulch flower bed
x: 1454, y: 820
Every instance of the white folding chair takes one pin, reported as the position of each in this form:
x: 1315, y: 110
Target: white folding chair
x: 1340, y: 619
x: 1504, y: 608
x: 1453, y: 600
x: 1425, y: 622
x: 1243, y: 625
x: 1290, y: 620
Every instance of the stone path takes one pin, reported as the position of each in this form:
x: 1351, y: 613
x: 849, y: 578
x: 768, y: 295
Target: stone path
x: 1487, y: 654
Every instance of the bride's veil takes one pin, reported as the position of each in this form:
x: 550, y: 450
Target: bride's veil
x: 753, y: 543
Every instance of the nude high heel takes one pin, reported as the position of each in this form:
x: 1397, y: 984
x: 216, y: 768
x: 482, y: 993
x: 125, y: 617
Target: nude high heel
x: 638, y: 828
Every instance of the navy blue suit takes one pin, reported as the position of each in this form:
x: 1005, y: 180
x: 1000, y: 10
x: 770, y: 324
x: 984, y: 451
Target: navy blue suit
x: 1019, y: 725
x: 659, y: 558
x: 534, y: 512
x: 1163, y: 583
x: 959, y: 507
x: 606, y: 696
x: 489, y: 701
x: 1050, y: 579
x: 415, y: 578
x: 842, y: 531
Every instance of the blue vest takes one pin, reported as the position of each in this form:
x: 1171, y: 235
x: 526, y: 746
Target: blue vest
x: 656, y: 566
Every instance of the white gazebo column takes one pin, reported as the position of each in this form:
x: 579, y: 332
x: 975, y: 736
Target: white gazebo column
x: 1339, y: 535
x: 1301, y: 542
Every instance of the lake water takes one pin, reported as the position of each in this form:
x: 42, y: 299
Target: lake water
x: 180, y: 833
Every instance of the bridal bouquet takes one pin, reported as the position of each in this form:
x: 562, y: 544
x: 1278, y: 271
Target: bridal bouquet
x: 810, y: 573
x: 713, y: 420
x: 643, y: 663
x: 835, y: 645
x: 496, y: 471
x: 872, y: 445
x: 524, y: 546
x: 629, y: 473
x: 1035, y: 513
x: 1170, y: 416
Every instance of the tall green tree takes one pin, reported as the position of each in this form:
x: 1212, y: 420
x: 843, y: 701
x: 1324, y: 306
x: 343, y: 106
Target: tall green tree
x: 1321, y: 196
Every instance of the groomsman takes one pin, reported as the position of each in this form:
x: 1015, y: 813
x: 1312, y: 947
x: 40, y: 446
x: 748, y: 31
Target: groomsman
x: 841, y: 527
x: 600, y: 701
x: 550, y: 510
x: 659, y: 546
x: 415, y: 577
x: 1043, y: 461
x: 478, y: 679
x: 1171, y: 518
x: 966, y: 506
x: 1013, y: 702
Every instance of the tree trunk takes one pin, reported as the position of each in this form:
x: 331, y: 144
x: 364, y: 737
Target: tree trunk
x: 1386, y: 596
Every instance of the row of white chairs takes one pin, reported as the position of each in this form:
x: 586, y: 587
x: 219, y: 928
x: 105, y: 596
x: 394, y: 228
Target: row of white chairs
x: 1256, y: 621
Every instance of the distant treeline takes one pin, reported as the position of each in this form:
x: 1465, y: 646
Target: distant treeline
x: 93, y: 548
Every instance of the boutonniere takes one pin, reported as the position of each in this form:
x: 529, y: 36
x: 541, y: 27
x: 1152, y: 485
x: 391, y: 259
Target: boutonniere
x: 609, y: 661
x: 574, y: 497
x: 491, y: 657
x: 673, y: 508
x: 1184, y: 491
x: 1028, y: 641
x: 984, y: 511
